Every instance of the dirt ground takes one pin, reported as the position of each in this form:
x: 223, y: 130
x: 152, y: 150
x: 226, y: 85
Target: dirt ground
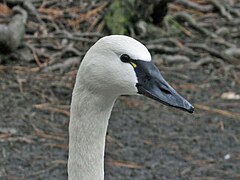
x: 145, y: 140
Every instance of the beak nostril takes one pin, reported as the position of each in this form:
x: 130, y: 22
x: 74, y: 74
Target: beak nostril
x: 165, y: 91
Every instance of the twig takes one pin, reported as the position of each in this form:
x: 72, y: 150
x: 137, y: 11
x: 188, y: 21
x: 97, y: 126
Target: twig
x: 25, y: 139
x: 214, y: 52
x: 163, y: 49
x: 196, y: 6
x: 167, y: 41
x: 71, y: 48
x: 63, y: 66
x: 20, y: 83
x: 177, y: 49
x: 175, y: 59
x: 111, y: 139
x: 204, y: 61
x: 27, y: 4
x: 34, y: 54
x: 49, y: 107
x: 218, y: 111
x: 222, y: 9
x: 126, y: 164
x: 182, y: 16
x: 42, y: 134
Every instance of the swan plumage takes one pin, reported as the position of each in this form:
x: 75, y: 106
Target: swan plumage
x: 115, y: 65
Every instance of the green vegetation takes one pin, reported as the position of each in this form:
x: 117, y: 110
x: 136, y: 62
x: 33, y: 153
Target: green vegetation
x: 120, y: 16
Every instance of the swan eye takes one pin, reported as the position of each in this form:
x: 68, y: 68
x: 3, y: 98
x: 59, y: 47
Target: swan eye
x: 125, y: 58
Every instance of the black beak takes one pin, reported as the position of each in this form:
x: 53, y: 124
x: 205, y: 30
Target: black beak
x: 153, y: 85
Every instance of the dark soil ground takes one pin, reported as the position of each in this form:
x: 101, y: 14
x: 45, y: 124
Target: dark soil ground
x: 145, y: 139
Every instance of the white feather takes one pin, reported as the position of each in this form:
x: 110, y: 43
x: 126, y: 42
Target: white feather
x: 101, y: 78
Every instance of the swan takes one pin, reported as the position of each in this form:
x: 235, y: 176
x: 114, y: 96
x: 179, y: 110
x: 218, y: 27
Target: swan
x: 115, y: 65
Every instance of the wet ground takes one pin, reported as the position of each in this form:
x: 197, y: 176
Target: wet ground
x: 146, y: 140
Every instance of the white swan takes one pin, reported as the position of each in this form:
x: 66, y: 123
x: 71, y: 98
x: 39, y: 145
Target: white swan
x: 115, y: 65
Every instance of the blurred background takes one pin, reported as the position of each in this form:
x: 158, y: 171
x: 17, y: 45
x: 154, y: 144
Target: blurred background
x: 195, y: 44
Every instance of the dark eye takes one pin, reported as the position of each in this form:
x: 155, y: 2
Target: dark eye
x: 125, y: 58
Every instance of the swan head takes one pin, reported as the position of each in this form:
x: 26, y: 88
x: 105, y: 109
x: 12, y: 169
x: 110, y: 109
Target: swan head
x: 120, y: 65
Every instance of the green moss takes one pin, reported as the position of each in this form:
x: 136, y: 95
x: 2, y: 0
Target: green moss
x: 120, y: 17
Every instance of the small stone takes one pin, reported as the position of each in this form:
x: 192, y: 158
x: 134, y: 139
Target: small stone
x: 230, y: 95
x: 227, y: 156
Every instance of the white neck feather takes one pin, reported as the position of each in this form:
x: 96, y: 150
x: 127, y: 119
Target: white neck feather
x: 90, y: 113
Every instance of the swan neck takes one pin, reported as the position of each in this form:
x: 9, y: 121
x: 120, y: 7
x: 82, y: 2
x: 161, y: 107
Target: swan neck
x: 89, y: 117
